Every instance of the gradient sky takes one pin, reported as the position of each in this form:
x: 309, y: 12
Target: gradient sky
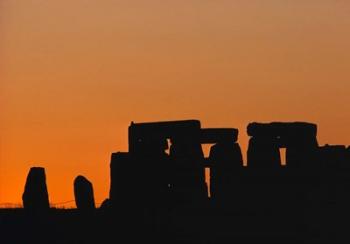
x: 73, y: 74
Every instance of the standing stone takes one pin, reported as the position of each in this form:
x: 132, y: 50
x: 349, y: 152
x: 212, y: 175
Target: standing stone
x: 84, y: 194
x: 125, y: 180
x: 188, y: 176
x: 263, y: 152
x: 35, y: 196
x: 226, y: 168
x: 106, y: 204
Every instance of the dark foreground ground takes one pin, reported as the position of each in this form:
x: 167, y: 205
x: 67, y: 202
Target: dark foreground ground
x: 279, y: 207
x: 206, y: 224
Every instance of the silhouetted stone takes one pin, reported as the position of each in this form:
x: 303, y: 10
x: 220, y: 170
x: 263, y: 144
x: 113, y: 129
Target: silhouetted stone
x: 106, y: 204
x: 214, y: 135
x: 263, y: 152
x: 299, y: 138
x: 188, y: 178
x: 160, y: 177
x: 284, y: 129
x: 226, y: 155
x: 139, y: 132
x: 125, y: 176
x: 35, y: 196
x: 84, y: 194
x: 269, y: 185
x: 226, y: 164
x: 151, y: 192
x: 142, y: 178
x: 333, y: 156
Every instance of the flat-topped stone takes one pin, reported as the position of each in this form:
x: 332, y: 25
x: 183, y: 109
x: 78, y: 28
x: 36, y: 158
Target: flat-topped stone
x: 275, y: 129
x: 214, y: 135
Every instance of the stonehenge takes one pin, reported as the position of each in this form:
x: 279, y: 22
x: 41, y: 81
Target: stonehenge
x: 158, y: 186
x: 165, y: 167
x: 166, y: 161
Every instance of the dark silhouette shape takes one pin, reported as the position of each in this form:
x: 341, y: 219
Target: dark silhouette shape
x: 35, y: 197
x: 226, y: 163
x: 160, y: 177
x: 263, y: 152
x: 299, y: 138
x: 84, y: 194
x: 158, y: 192
x: 188, y: 180
x: 106, y: 204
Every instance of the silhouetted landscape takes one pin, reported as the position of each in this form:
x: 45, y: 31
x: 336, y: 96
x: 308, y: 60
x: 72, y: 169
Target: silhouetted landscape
x: 158, y: 192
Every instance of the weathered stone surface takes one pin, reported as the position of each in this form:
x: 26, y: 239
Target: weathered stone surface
x: 35, y: 196
x: 84, y: 194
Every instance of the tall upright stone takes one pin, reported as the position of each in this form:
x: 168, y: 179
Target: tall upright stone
x: 188, y: 176
x: 225, y: 171
x: 263, y: 152
x: 125, y: 178
x: 35, y: 196
x: 84, y: 194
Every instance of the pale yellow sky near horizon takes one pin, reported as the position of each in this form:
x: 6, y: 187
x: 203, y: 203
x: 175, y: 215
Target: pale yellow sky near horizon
x: 73, y: 74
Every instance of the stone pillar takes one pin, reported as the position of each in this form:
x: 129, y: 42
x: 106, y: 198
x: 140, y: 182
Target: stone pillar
x: 263, y: 152
x: 226, y: 166
x: 84, y: 194
x: 187, y: 172
x: 124, y: 176
x: 302, y: 152
x: 35, y: 196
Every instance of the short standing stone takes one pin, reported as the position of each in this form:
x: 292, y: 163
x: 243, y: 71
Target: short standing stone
x: 106, y: 204
x: 35, y: 196
x: 84, y: 194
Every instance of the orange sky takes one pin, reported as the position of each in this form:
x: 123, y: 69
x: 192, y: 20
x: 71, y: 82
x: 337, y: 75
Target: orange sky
x: 73, y: 74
